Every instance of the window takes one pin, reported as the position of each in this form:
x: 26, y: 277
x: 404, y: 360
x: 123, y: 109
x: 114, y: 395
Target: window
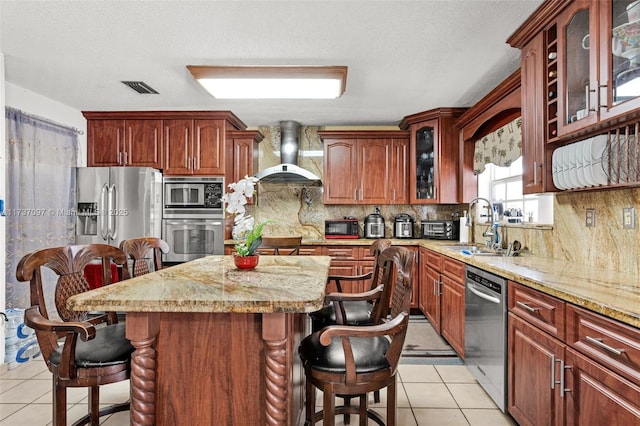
x: 504, y: 185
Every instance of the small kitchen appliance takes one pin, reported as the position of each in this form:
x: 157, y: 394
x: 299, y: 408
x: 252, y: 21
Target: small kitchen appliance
x: 374, y: 225
x: 440, y: 229
x: 346, y: 227
x: 403, y: 226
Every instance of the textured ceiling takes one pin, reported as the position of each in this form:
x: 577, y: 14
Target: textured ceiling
x: 403, y: 56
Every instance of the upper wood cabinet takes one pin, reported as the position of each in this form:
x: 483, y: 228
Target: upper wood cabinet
x: 365, y: 167
x: 241, y: 160
x: 242, y: 154
x: 434, y: 156
x: 534, y: 165
x: 194, y: 147
x: 124, y: 143
x: 178, y: 142
x: 590, y: 78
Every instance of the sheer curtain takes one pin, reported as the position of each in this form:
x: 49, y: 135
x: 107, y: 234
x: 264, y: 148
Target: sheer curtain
x: 40, y: 201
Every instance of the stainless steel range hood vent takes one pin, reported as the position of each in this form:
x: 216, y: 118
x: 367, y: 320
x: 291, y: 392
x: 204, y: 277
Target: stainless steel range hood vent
x: 288, y: 170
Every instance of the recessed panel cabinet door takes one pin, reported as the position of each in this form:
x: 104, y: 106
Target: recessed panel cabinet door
x: 340, y: 171
x: 178, y: 149
x: 374, y: 164
x: 208, y: 146
x: 144, y: 143
x: 106, y: 143
x: 597, y: 396
x: 533, y: 360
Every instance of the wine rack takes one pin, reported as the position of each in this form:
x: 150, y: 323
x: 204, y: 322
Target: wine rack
x: 552, y: 83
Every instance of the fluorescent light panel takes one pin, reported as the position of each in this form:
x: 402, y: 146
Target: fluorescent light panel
x: 271, y: 82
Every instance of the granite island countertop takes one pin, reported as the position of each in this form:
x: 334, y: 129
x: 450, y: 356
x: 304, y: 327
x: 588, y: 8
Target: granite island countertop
x: 607, y: 292
x: 282, y: 284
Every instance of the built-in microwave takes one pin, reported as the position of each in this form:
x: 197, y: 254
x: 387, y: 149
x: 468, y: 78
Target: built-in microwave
x: 342, y: 228
x: 193, y: 196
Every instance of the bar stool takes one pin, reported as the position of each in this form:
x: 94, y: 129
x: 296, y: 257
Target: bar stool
x: 137, y: 250
x: 280, y: 245
x: 81, y: 350
x: 351, y: 361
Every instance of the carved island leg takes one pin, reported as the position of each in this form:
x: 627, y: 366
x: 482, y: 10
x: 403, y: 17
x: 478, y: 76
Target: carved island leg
x: 277, y: 375
x: 142, y: 331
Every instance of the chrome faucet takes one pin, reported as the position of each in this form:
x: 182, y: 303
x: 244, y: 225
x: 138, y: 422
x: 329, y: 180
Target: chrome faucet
x: 491, y: 230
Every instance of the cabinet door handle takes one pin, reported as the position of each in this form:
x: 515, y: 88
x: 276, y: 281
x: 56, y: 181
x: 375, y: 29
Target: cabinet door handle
x: 120, y: 157
x: 188, y: 163
x: 196, y: 164
x: 126, y: 158
x: 535, y: 172
x: 527, y: 307
x: 599, y: 343
x: 560, y: 382
x: 553, y: 371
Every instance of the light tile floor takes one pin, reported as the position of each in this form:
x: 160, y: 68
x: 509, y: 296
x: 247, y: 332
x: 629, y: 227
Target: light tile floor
x: 427, y: 395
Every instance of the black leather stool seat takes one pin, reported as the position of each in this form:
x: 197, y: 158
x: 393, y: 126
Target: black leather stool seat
x: 368, y: 353
x: 108, y: 347
x: 358, y: 312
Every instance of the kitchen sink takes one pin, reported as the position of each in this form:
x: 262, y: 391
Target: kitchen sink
x: 473, y: 250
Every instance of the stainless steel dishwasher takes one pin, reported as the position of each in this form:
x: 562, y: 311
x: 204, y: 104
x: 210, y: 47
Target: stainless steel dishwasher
x: 485, y: 331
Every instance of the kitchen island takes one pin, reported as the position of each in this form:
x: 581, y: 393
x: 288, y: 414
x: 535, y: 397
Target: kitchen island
x: 214, y: 344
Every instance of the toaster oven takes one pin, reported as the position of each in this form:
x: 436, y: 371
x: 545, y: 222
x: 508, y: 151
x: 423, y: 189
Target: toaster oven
x: 342, y: 228
x: 440, y: 229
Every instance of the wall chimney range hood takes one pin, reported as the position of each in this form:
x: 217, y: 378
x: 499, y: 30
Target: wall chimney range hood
x: 288, y: 170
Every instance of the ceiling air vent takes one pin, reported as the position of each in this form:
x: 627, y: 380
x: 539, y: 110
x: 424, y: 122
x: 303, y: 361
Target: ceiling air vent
x: 140, y: 87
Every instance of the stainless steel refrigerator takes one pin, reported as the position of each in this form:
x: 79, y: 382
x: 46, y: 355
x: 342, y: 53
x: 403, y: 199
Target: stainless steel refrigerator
x: 117, y: 203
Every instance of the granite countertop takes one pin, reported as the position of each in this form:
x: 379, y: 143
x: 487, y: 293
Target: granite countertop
x: 213, y: 284
x: 610, y: 293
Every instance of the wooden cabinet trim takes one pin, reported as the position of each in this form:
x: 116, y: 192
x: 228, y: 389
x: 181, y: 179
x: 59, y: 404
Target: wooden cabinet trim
x: 164, y: 115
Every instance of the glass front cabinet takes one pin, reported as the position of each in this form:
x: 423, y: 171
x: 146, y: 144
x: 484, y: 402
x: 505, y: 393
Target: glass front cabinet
x: 433, y: 156
x: 593, y: 64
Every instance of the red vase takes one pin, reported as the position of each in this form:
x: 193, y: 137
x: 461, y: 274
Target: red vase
x: 246, y: 262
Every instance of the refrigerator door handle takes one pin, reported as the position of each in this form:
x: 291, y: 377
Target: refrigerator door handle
x: 104, y: 232
x: 112, y: 211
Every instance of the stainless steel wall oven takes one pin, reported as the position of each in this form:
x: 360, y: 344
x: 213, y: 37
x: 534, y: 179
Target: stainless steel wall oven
x: 193, y: 217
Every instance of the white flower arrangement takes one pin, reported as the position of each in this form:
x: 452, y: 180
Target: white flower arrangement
x: 235, y: 201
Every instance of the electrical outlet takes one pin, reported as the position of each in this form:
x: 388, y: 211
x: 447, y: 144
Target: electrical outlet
x: 628, y: 218
x: 590, y: 218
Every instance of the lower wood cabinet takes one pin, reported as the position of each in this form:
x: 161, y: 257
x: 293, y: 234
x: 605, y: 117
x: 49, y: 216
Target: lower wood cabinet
x: 568, y: 365
x: 442, y: 296
x: 348, y: 261
x: 532, y: 356
x: 596, y: 396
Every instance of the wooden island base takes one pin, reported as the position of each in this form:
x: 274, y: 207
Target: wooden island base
x: 216, y: 368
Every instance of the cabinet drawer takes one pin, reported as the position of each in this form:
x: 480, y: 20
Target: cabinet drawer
x: 433, y: 260
x: 453, y: 269
x: 541, y: 310
x: 311, y: 250
x: 607, y: 341
x: 342, y: 252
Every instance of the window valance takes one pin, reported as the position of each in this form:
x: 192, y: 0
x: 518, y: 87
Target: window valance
x: 500, y: 147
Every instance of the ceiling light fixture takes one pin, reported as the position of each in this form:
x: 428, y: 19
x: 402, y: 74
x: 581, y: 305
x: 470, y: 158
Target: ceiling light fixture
x: 271, y: 82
